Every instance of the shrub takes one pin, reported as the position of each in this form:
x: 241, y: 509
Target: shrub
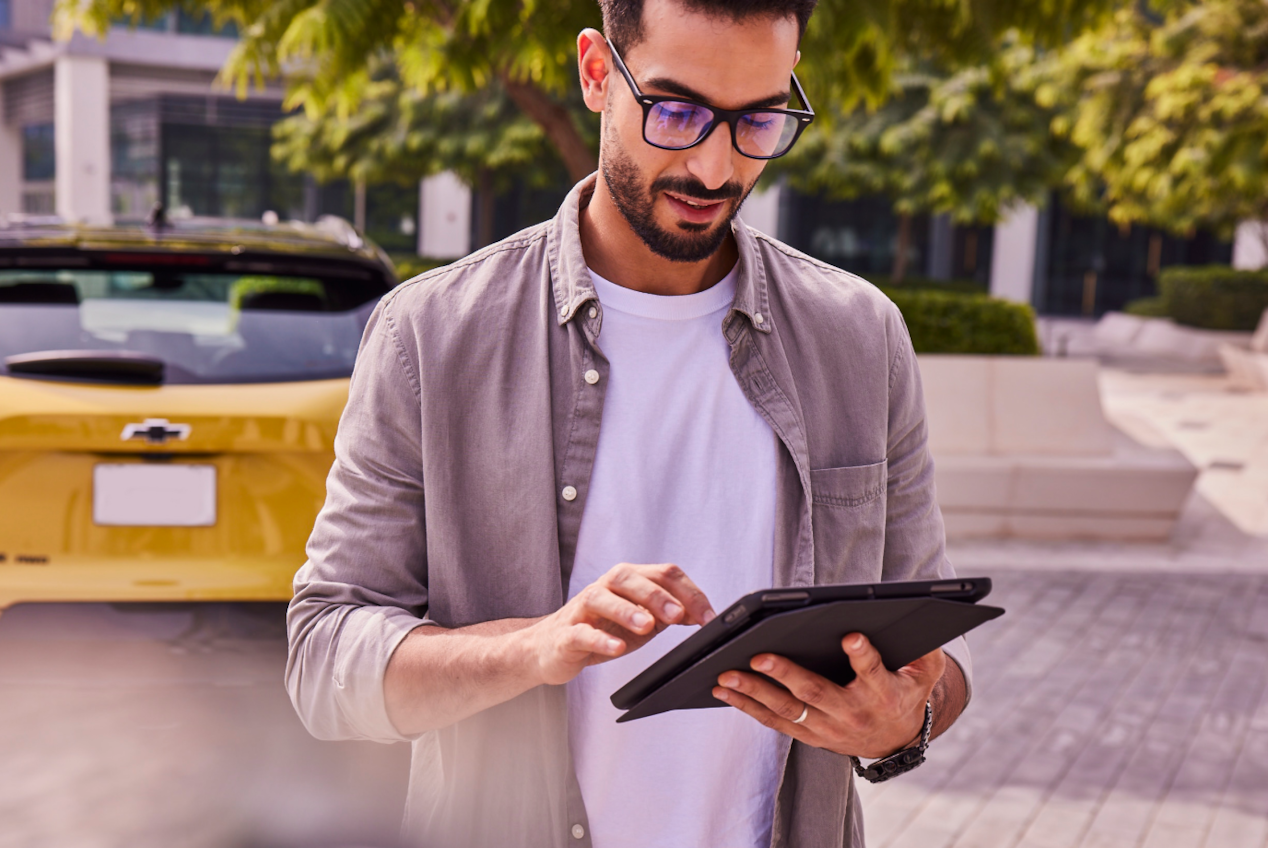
x: 1214, y: 297
x: 409, y: 265
x: 950, y: 322
x: 929, y: 284
x: 1147, y: 307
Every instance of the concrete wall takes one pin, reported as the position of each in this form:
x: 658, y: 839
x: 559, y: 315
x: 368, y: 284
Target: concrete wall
x: 82, y: 137
x: 761, y: 210
x: 1013, y: 254
x: 10, y: 164
x: 1250, y: 245
x: 444, y: 211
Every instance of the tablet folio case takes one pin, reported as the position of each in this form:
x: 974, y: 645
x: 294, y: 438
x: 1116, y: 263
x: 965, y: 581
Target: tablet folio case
x: 902, y: 629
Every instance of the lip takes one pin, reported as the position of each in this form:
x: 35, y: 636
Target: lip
x: 695, y: 215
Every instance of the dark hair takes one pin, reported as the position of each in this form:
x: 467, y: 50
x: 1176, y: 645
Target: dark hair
x: 623, y: 19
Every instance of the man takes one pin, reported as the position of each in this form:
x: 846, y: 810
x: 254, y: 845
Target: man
x: 587, y: 438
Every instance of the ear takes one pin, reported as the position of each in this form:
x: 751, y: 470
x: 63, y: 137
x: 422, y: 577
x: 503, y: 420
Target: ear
x: 796, y: 58
x: 594, y: 62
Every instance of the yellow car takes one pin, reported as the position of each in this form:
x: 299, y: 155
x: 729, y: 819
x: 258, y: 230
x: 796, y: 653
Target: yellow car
x: 168, y: 403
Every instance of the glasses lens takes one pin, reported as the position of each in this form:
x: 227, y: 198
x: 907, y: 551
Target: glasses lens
x: 676, y: 124
x: 765, y: 134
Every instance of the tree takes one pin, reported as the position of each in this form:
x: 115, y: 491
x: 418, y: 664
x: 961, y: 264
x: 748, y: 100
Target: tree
x: 401, y: 135
x: 329, y: 48
x: 968, y: 143
x: 1171, y: 111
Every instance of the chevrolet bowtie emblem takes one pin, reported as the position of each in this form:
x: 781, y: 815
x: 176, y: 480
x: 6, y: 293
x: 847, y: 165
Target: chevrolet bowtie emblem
x: 156, y: 431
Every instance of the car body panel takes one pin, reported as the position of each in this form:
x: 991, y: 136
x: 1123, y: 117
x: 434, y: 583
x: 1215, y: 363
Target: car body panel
x: 271, y: 445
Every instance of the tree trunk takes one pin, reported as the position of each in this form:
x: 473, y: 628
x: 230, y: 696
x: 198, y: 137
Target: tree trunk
x: 558, y: 125
x: 899, y: 268
x: 484, y: 200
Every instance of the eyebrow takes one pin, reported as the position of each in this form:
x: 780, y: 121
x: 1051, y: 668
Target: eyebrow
x: 677, y: 88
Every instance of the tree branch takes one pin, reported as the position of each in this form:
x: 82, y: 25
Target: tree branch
x: 558, y: 125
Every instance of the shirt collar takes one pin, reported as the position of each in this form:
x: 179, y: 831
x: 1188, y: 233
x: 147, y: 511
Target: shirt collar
x: 573, y: 288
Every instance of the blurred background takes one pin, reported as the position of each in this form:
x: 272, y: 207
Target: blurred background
x: 1068, y: 202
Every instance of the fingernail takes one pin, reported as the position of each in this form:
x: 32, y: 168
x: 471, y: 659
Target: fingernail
x: 641, y: 619
x: 613, y: 644
x: 709, y: 615
x: 763, y: 664
x: 856, y: 643
x: 722, y: 694
x: 672, y: 610
x: 729, y: 680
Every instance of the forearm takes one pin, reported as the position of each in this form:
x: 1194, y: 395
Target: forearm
x: 437, y: 677
x: 950, y: 694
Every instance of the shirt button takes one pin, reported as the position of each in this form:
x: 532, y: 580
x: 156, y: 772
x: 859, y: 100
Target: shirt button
x: 594, y: 313
x: 758, y: 318
x: 570, y: 494
x: 563, y: 312
x: 578, y: 832
x: 592, y: 376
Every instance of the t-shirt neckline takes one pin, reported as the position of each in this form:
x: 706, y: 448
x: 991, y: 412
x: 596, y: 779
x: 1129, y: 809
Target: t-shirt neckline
x: 681, y: 307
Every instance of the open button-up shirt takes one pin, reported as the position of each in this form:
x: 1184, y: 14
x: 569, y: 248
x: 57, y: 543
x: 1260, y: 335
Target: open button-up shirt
x: 462, y: 464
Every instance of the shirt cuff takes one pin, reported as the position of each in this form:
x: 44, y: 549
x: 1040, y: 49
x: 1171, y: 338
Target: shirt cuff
x: 370, y: 635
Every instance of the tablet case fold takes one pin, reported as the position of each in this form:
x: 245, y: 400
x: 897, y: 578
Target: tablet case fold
x: 902, y: 629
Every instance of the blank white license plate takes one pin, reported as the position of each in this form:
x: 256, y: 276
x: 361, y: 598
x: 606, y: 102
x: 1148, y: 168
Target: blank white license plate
x: 151, y: 495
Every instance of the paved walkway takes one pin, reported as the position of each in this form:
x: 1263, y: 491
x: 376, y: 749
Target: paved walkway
x: 1111, y: 710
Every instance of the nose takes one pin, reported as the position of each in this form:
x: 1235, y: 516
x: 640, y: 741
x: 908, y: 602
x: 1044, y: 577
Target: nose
x: 711, y: 160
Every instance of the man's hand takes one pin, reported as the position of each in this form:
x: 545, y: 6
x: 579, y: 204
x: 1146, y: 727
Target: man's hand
x: 618, y: 613
x: 876, y: 714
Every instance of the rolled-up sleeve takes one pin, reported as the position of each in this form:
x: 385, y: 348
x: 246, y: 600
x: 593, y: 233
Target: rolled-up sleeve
x: 915, y: 536
x: 364, y: 586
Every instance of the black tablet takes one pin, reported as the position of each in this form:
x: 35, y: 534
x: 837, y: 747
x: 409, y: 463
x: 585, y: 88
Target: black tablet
x: 904, y: 620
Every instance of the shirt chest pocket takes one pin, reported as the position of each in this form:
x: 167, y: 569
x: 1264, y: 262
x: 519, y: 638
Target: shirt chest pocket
x: 848, y: 516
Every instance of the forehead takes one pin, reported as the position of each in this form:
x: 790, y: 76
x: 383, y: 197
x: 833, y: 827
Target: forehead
x: 730, y: 61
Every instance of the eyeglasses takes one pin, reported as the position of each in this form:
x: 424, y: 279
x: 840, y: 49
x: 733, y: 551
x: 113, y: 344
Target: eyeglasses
x: 672, y: 123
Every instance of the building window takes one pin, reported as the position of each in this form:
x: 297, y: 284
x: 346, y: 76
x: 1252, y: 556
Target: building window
x: 1089, y: 266
x: 39, y: 162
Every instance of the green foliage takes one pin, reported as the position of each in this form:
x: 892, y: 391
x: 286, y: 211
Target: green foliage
x: 950, y: 322
x: 245, y: 287
x: 332, y: 50
x: 1147, y: 307
x: 1171, y: 113
x: 1214, y: 297
x: 910, y: 283
x: 968, y: 143
x: 399, y: 134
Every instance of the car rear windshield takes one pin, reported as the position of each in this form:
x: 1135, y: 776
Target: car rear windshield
x: 207, y: 320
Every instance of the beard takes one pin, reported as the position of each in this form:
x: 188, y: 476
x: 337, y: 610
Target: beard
x: 636, y: 199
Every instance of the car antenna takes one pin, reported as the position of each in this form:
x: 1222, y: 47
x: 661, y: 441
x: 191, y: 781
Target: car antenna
x: 157, y: 221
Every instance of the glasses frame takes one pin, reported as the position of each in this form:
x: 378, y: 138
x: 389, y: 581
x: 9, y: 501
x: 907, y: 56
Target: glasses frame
x: 802, y: 117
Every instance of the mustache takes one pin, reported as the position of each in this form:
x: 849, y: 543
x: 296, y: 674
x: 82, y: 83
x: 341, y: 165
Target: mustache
x: 697, y: 190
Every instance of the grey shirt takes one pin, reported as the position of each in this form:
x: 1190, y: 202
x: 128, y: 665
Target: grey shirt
x: 462, y: 465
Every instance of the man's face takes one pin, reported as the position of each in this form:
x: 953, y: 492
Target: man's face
x: 681, y: 202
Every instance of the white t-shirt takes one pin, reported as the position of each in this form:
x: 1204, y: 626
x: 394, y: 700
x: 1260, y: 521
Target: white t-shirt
x: 685, y: 473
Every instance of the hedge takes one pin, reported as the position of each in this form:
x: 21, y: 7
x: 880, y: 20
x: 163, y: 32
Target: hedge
x: 949, y: 322
x: 1212, y: 297
x: 409, y: 265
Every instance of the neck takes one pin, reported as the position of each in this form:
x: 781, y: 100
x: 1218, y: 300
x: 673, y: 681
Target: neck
x: 614, y: 252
